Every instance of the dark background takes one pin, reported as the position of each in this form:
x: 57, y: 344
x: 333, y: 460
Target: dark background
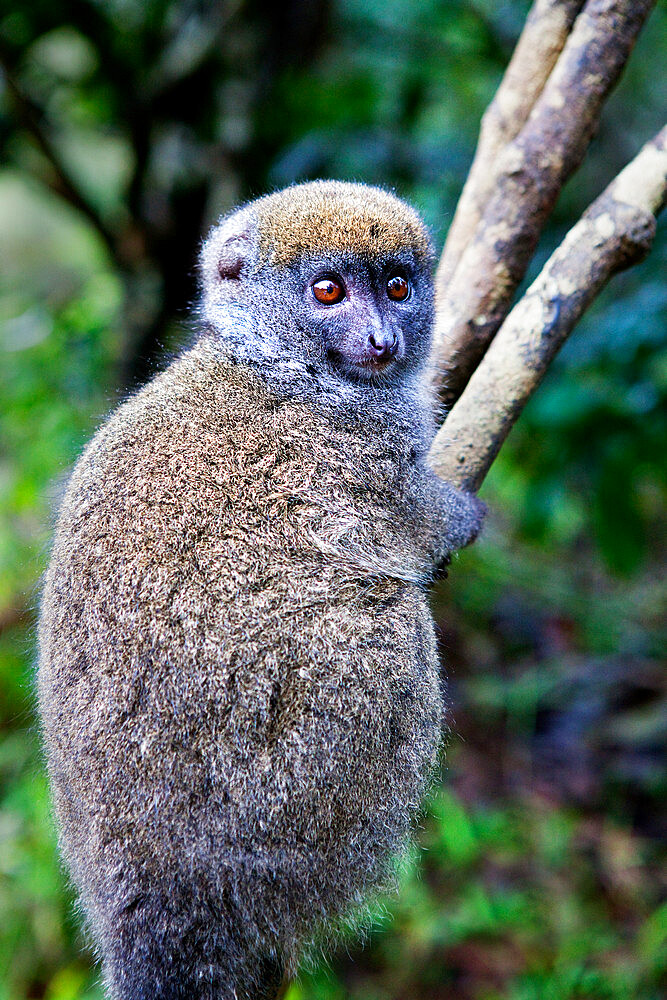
x: 126, y: 128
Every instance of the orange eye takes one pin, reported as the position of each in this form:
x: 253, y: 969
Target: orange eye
x: 328, y: 291
x: 398, y: 288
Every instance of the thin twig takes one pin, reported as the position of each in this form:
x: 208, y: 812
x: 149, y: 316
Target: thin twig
x: 614, y: 233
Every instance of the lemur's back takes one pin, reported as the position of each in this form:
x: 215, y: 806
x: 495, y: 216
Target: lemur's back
x: 229, y: 692
x: 238, y: 677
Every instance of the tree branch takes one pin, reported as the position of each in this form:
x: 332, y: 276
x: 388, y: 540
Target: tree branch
x: 542, y: 39
x: 531, y: 172
x: 615, y: 232
x: 31, y: 117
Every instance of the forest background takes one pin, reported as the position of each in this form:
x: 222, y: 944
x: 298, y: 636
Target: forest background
x: 126, y: 128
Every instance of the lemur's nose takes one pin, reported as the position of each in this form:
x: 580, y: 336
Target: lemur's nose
x: 383, y: 343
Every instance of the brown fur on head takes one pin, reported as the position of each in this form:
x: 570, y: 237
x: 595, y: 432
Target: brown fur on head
x: 316, y: 217
x: 332, y: 215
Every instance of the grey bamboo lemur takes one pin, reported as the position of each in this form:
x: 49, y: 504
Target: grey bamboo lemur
x: 238, y: 677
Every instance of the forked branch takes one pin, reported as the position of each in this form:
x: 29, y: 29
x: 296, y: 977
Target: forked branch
x: 614, y: 233
x: 531, y: 170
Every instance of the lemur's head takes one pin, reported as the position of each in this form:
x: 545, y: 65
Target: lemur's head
x: 328, y: 273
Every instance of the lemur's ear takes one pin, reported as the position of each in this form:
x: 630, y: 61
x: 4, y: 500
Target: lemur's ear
x: 233, y: 256
x: 230, y: 249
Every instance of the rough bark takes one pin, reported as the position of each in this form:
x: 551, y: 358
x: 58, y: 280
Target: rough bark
x: 614, y: 233
x: 531, y: 171
x: 541, y: 42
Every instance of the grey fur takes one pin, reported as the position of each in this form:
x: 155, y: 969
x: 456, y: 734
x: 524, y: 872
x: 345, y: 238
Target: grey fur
x: 238, y: 676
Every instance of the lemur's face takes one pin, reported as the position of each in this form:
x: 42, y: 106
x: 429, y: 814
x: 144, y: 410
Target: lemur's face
x: 331, y: 274
x: 371, y: 313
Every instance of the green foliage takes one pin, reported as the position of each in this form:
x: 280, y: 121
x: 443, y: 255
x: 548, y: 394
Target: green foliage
x: 501, y: 906
x: 539, y: 873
